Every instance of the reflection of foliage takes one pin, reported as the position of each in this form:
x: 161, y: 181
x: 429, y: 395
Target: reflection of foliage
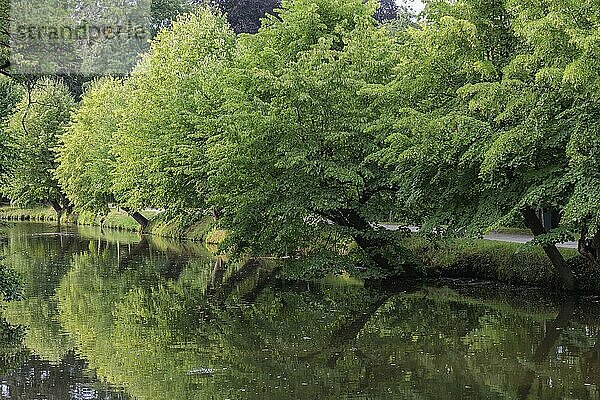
x: 12, y: 351
x: 39, y: 260
x: 10, y: 283
x: 168, y: 340
x: 44, y: 334
x: 169, y: 334
x: 110, y: 311
x: 109, y: 235
x: 167, y: 325
x: 42, y: 257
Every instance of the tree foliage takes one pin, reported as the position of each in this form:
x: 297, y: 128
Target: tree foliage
x: 166, y: 118
x: 86, y: 160
x: 10, y: 94
x: 4, y: 37
x: 293, y: 164
x: 245, y: 16
x: 33, y: 132
x: 494, y: 126
x: 388, y: 10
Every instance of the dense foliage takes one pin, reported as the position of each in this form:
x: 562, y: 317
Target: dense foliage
x: 86, y: 161
x: 32, y: 134
x: 4, y: 38
x: 245, y: 16
x: 167, y: 109
x: 500, y: 96
x: 293, y: 163
x: 10, y: 94
x: 302, y: 135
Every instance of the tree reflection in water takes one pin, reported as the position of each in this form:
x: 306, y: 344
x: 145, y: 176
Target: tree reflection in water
x: 165, y: 320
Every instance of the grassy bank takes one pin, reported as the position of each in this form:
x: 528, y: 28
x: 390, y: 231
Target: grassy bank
x: 513, y: 263
x: 114, y: 220
x: 460, y: 258
x: 37, y: 214
x: 191, y: 226
x: 181, y: 227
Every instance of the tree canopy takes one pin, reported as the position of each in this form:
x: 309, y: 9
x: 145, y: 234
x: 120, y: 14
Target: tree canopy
x: 86, y: 160
x: 293, y: 164
x: 301, y: 136
x: 494, y: 113
x: 33, y: 131
x: 167, y: 110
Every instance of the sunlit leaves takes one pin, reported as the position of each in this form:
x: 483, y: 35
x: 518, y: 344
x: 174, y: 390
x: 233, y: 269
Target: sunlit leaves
x: 293, y: 163
x: 166, y: 119
x: 86, y: 160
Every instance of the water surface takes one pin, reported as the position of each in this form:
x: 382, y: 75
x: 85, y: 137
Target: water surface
x: 110, y: 315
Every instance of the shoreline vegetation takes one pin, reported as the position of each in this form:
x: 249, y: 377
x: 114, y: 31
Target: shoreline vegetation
x: 511, y: 263
x: 296, y: 137
x: 117, y: 219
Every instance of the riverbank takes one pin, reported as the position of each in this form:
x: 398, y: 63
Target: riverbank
x: 180, y: 227
x: 512, y: 263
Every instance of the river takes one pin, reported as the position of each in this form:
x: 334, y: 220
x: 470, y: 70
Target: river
x: 110, y: 315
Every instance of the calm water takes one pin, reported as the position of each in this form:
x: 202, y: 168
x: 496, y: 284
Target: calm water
x: 112, y: 316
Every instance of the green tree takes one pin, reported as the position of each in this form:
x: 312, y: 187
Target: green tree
x: 293, y: 167
x: 561, y: 66
x: 4, y: 37
x: 10, y: 94
x: 500, y: 125
x: 170, y: 102
x: 541, y: 109
x: 86, y: 162
x: 34, y: 130
x: 429, y: 131
x: 461, y: 161
x: 245, y: 16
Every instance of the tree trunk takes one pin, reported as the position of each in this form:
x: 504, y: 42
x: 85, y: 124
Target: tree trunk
x: 66, y: 203
x: 218, y: 273
x: 138, y: 217
x: 56, y: 206
x: 589, y: 248
x: 374, y: 247
x: 264, y: 279
x: 553, y: 331
x: 567, y: 278
x: 363, y: 236
x: 590, y: 364
x: 217, y: 213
